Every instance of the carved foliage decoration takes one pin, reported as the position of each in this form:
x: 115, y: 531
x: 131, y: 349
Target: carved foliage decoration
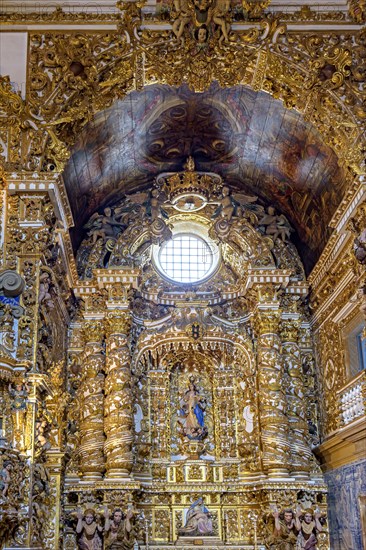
x: 332, y: 374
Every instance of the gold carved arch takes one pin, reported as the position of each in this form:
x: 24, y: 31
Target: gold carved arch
x: 72, y: 78
x: 160, y: 348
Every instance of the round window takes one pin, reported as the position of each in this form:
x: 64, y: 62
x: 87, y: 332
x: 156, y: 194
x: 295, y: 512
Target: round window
x: 186, y: 258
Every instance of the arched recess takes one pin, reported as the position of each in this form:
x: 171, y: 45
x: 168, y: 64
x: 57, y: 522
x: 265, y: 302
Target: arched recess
x: 222, y: 368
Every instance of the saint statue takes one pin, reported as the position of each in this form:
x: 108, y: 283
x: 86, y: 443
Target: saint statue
x: 284, y: 535
x: 192, y: 413
x: 198, y: 521
x: 308, y: 525
x: 19, y: 395
x: 89, y: 532
x: 119, y: 530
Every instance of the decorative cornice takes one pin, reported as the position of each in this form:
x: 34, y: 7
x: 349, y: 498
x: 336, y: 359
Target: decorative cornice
x: 344, y: 447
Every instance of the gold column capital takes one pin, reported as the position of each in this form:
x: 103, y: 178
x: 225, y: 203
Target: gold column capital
x: 93, y: 331
x: 290, y: 329
x: 266, y: 321
x: 117, y: 322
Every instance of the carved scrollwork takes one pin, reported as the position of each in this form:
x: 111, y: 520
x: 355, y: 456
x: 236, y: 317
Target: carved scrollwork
x: 11, y: 283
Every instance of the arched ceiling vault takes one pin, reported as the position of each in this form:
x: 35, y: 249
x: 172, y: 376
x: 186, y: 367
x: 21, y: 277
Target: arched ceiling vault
x: 254, y: 142
x: 249, y: 138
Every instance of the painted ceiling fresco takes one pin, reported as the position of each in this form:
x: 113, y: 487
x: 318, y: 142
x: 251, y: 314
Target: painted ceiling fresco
x: 250, y: 139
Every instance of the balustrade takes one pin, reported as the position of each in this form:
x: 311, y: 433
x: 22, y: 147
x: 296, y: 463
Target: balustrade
x: 352, y: 399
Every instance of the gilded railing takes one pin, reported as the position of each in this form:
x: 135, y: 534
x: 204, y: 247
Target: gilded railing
x: 352, y: 399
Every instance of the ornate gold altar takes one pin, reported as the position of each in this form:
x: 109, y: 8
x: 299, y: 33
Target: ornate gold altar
x: 166, y: 371
x: 173, y: 391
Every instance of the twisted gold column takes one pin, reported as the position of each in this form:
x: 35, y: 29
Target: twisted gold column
x: 91, y: 403
x: 118, y: 406
x: 295, y: 397
x: 272, y: 402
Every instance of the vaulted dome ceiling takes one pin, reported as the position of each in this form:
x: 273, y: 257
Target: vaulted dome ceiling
x: 250, y: 139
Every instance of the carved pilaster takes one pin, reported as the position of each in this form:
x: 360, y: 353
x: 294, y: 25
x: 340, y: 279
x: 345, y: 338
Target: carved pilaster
x: 293, y: 385
x: 272, y: 402
x: 158, y: 407
x: 91, y: 403
x: 118, y: 406
x: 3, y: 197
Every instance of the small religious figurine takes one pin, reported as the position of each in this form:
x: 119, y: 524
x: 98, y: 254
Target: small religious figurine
x: 89, y: 532
x: 275, y: 226
x: 284, y: 534
x: 220, y: 17
x: 182, y: 18
x: 232, y: 205
x: 44, y: 295
x: 120, y: 530
x: 198, y: 521
x: 201, y: 35
x: 5, y: 478
x: 104, y: 226
x: 192, y: 411
x: 308, y: 525
x: 359, y: 247
x: 19, y: 396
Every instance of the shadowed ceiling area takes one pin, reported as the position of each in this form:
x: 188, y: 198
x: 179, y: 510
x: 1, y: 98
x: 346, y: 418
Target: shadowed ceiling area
x: 250, y: 139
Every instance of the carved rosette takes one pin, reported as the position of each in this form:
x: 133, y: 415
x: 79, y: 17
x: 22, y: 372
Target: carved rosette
x: 91, y: 403
x: 118, y: 409
x: 295, y: 396
x: 272, y: 406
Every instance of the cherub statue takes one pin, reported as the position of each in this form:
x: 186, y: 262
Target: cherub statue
x: 232, y: 205
x: 44, y: 294
x: 183, y: 18
x: 275, y: 226
x: 201, y: 35
x: 220, y: 17
x: 359, y: 247
x: 149, y: 203
x: 5, y: 478
x: 104, y: 225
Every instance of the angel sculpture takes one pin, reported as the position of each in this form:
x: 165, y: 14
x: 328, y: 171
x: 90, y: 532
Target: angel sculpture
x: 233, y: 205
x: 275, y: 226
x: 104, y: 225
x: 149, y: 204
x: 220, y: 16
x: 183, y: 18
x: 44, y: 295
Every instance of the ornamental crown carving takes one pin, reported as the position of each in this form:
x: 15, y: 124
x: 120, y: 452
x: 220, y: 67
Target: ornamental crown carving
x: 189, y: 190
